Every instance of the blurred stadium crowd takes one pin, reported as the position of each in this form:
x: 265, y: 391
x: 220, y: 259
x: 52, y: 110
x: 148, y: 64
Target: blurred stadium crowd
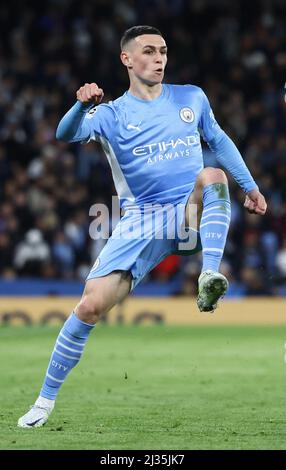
x: 236, y: 51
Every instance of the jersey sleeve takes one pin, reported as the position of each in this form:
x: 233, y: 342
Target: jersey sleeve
x: 208, y: 126
x: 81, y: 124
x: 226, y: 151
x: 100, y: 121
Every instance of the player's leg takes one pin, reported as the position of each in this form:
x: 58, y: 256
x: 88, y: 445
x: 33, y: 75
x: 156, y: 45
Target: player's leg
x: 100, y: 295
x: 211, y: 198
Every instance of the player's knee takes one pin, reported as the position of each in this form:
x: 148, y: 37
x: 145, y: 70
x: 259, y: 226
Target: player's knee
x: 90, y: 308
x: 210, y: 175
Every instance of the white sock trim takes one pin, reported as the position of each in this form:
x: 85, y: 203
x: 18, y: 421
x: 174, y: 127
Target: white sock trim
x: 44, y: 402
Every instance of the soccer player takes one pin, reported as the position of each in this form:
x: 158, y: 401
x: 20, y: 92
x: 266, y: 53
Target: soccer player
x: 151, y: 137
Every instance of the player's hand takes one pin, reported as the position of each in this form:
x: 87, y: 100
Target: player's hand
x: 255, y: 202
x: 90, y: 93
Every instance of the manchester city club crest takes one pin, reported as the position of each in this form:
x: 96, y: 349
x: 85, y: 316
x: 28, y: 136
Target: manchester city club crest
x: 187, y: 114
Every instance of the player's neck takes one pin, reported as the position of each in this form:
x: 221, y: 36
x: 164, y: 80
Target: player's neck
x: 145, y: 92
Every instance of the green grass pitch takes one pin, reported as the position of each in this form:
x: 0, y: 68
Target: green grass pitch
x: 152, y: 387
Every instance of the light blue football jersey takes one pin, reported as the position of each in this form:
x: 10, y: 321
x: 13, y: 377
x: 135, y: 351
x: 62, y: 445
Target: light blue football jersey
x: 153, y: 147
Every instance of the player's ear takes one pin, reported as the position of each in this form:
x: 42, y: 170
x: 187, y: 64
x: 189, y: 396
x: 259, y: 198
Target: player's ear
x: 126, y: 59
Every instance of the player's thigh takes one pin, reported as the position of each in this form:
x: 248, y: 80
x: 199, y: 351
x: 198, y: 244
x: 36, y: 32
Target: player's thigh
x: 102, y: 293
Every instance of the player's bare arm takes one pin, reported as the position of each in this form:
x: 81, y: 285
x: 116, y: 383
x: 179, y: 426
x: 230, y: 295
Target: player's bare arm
x: 90, y: 93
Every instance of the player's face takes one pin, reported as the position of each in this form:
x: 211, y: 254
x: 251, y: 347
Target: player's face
x: 147, y: 57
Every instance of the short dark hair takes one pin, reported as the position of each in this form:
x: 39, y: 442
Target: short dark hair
x: 135, y: 31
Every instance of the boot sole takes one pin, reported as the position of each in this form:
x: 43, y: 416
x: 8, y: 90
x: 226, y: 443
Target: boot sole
x: 215, y: 287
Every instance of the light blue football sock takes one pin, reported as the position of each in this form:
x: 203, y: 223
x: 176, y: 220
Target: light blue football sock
x: 214, y: 224
x: 66, y: 354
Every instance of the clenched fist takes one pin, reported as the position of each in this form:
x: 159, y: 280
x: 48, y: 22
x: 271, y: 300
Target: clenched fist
x: 89, y: 93
x: 255, y: 202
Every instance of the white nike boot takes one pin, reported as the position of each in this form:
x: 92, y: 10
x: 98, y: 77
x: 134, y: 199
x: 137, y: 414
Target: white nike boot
x: 38, y: 414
